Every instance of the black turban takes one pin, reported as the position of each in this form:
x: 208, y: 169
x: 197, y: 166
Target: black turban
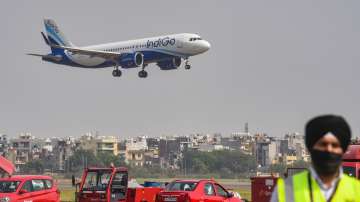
x: 319, y: 126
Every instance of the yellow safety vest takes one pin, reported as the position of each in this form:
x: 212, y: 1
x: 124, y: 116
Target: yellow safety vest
x: 298, y: 189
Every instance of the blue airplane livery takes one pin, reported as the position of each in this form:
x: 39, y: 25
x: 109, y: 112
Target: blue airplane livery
x: 168, y: 51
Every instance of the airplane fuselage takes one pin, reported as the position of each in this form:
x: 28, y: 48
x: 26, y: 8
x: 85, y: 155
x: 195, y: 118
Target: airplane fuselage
x: 154, y: 49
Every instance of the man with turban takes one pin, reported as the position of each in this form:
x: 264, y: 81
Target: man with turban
x: 327, y: 138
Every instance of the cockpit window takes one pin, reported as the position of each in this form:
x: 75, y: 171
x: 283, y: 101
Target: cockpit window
x: 194, y: 39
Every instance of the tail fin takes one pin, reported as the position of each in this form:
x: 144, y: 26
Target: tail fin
x: 55, y: 35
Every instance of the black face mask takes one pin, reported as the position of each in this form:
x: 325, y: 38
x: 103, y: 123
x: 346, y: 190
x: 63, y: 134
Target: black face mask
x: 325, y: 163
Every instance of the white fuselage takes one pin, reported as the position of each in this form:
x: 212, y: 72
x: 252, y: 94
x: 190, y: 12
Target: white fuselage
x: 178, y: 45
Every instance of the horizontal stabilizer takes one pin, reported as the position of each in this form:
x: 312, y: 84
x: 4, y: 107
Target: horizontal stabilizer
x: 34, y: 54
x: 47, y: 57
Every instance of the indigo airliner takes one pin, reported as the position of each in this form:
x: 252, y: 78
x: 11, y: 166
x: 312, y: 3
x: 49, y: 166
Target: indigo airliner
x: 168, y: 51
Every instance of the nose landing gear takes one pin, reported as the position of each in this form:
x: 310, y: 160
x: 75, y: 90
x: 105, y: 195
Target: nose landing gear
x: 187, y: 65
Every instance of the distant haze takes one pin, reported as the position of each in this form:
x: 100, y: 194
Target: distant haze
x: 273, y: 64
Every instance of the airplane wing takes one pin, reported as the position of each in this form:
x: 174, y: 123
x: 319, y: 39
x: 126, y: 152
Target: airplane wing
x: 93, y: 53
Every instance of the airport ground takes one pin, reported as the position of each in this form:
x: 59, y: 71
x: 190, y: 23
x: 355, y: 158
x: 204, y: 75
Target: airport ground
x: 242, y: 186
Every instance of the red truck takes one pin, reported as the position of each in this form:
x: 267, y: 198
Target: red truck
x: 351, y: 161
x: 111, y: 185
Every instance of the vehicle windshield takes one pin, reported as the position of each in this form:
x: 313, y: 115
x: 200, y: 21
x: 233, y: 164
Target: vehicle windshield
x: 181, y: 186
x: 97, y: 180
x: 8, y: 186
x: 351, y: 171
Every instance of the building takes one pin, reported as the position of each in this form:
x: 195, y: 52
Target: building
x: 98, y: 144
x: 63, y: 150
x: 135, y: 157
x: 210, y: 147
x: 4, y: 144
x: 266, y: 153
x: 169, y: 152
x: 106, y: 144
x: 26, y: 148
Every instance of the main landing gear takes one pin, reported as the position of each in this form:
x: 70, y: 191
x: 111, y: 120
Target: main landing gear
x: 116, y: 72
x: 143, y: 73
x: 187, y: 65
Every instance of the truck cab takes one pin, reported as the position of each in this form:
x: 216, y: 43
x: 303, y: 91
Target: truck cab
x: 103, y: 184
x: 351, y: 161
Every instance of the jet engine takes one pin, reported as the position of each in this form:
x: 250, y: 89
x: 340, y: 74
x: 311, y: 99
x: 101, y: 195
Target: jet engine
x: 170, y: 64
x: 131, y: 60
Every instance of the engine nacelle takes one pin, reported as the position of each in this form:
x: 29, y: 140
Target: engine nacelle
x: 173, y: 63
x: 131, y: 60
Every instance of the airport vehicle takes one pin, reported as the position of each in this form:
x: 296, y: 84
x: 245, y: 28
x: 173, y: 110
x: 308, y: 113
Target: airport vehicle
x: 166, y: 51
x: 351, y: 161
x: 262, y: 187
x: 111, y: 185
x: 25, y: 187
x: 103, y: 184
x: 29, y: 188
x: 195, y: 190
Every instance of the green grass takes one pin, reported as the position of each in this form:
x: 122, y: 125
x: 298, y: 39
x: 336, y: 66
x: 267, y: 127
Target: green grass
x: 67, y: 195
x: 244, y: 193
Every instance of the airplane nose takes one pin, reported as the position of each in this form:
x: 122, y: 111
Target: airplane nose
x: 203, y: 46
x: 206, y: 46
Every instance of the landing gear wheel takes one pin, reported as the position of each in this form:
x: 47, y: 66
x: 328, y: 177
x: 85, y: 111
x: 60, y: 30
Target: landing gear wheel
x: 143, y: 74
x: 116, y: 73
x: 187, y: 66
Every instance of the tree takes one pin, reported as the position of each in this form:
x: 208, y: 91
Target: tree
x: 81, y: 159
x: 33, y: 167
x: 277, y: 168
x: 224, y: 163
x: 106, y: 159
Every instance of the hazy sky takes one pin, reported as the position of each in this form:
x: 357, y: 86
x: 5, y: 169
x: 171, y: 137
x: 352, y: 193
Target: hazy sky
x: 273, y: 64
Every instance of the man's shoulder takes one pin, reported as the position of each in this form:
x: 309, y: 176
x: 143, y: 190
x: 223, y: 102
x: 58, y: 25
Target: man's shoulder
x: 351, y: 179
x: 301, y: 174
x: 298, y: 175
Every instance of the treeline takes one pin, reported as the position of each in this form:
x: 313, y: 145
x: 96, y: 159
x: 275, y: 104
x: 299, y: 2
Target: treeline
x: 218, y: 164
x: 74, y: 165
x: 224, y: 164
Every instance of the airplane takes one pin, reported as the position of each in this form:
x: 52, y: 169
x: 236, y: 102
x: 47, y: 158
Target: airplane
x: 167, y: 51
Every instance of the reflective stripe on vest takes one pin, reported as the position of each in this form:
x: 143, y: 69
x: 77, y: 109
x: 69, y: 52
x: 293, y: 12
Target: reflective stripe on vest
x: 287, y: 193
x: 296, y: 189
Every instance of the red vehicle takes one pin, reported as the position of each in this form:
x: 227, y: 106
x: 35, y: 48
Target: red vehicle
x: 35, y: 188
x: 103, y: 184
x: 195, y: 190
x: 351, y: 161
x: 111, y: 185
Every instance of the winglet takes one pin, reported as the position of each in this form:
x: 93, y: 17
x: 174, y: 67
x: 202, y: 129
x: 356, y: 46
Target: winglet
x: 45, y: 38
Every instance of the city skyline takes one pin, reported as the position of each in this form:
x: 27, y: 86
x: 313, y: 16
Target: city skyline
x: 273, y: 65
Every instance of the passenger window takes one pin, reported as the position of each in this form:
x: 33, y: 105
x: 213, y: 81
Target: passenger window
x: 209, y: 189
x: 27, y: 186
x: 48, y: 184
x: 38, y: 185
x: 221, y: 191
